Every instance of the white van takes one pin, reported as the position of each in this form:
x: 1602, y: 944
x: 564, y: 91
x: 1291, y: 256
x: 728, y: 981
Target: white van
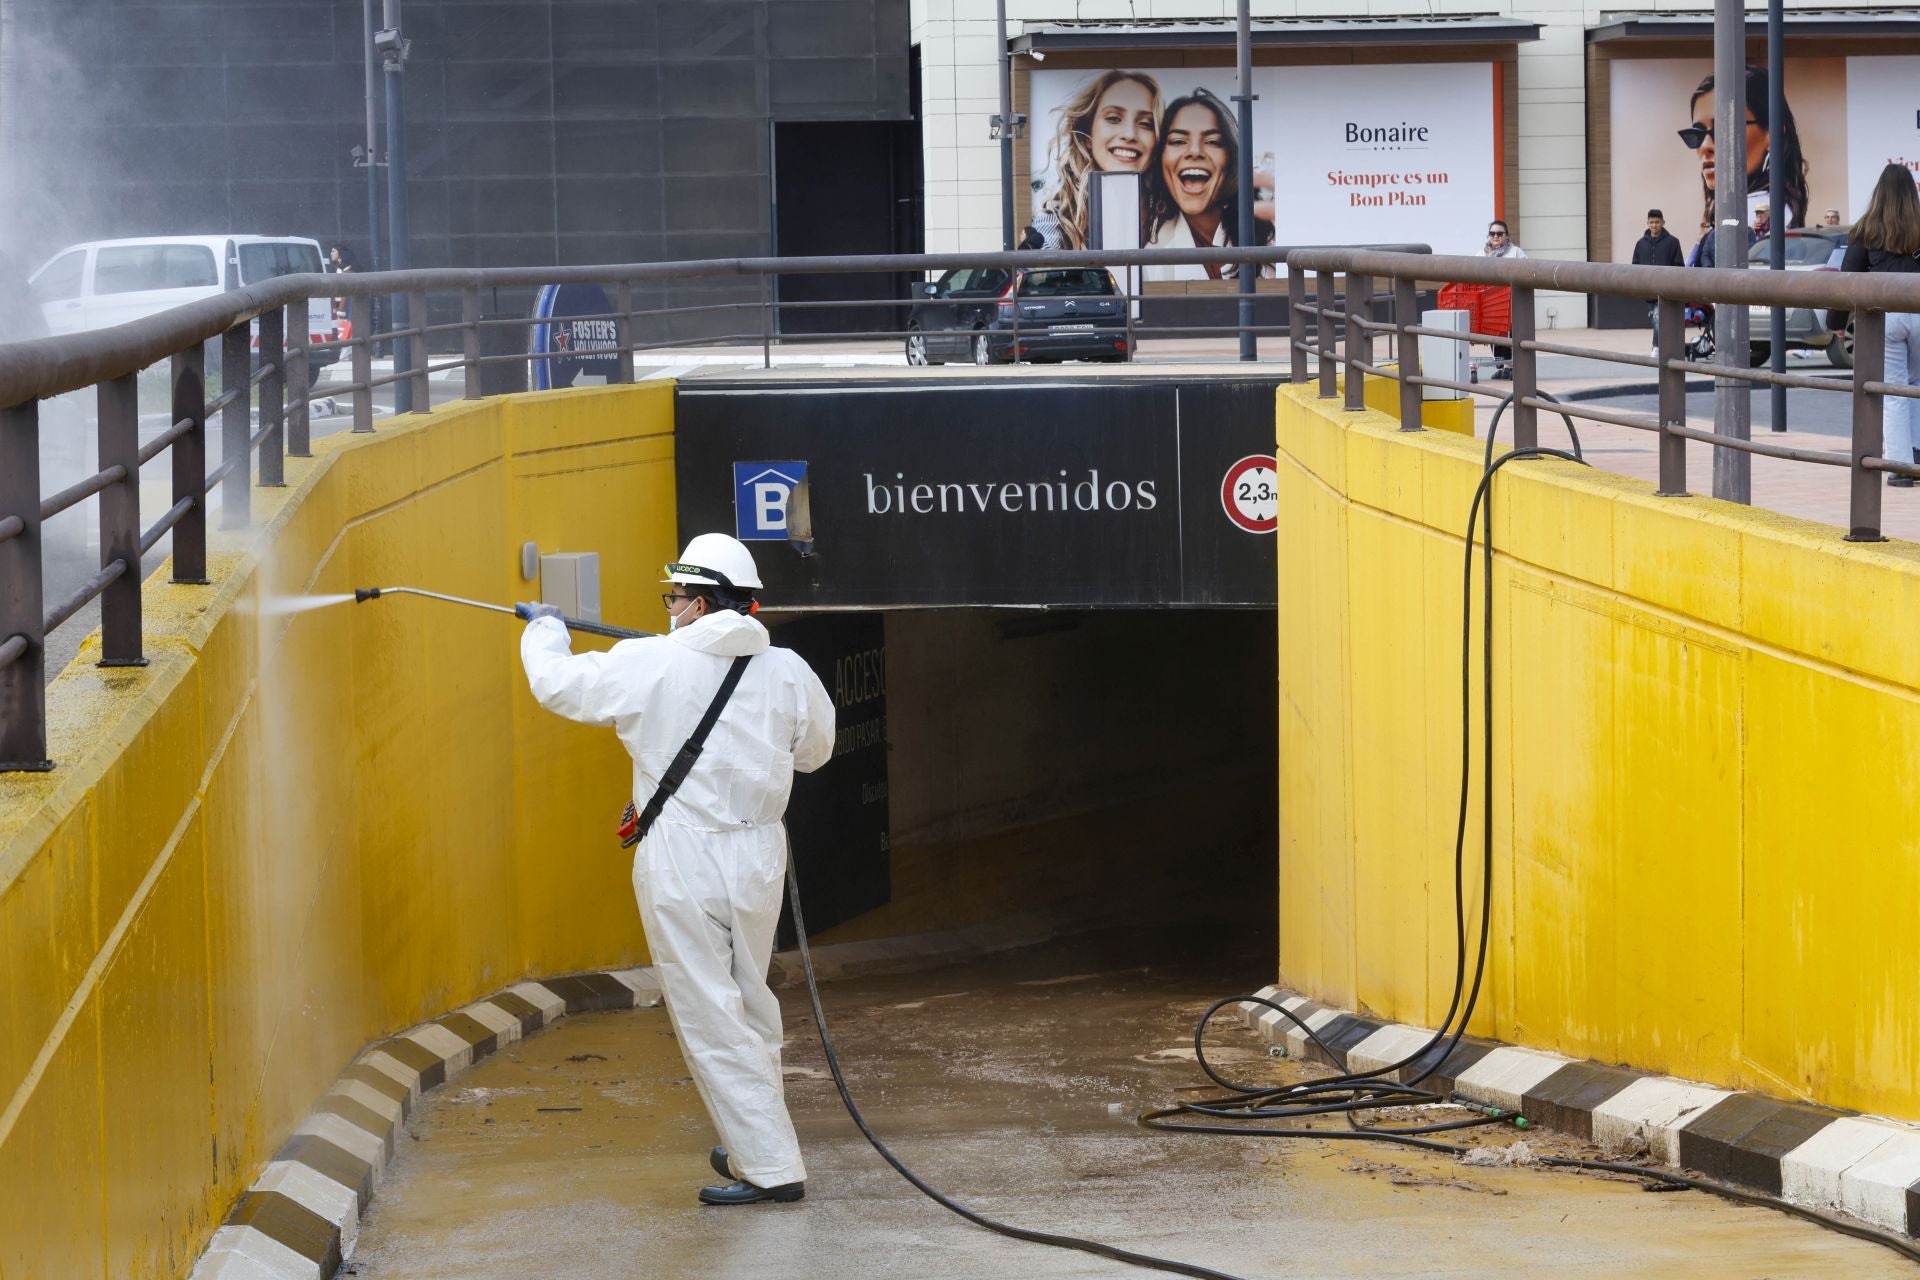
x: 109, y: 282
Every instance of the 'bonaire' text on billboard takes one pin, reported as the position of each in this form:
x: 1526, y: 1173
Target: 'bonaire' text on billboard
x: 1417, y: 165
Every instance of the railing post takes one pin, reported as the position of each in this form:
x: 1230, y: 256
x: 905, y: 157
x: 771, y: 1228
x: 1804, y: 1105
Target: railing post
x: 623, y: 331
x: 417, y: 345
x: 361, y: 311
x: 236, y: 428
x: 23, y: 680
x: 298, y: 326
x: 273, y: 401
x: 470, y: 342
x: 1296, y: 325
x: 1526, y: 379
x: 766, y: 320
x: 1673, y: 399
x: 1869, y: 365
x: 190, y: 464
x: 1329, y: 366
x: 119, y: 435
x: 1406, y: 346
x: 1013, y: 345
x: 1359, y: 345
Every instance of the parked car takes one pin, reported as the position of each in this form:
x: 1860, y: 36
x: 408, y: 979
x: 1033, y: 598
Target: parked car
x: 1808, y: 249
x: 991, y: 315
x: 109, y: 282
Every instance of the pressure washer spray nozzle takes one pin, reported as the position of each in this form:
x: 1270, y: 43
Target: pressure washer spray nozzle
x: 363, y: 594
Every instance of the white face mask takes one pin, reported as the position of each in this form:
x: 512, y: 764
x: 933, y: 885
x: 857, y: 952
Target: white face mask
x: 673, y: 619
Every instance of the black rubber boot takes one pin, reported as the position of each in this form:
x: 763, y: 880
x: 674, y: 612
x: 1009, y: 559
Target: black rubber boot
x: 718, y: 1160
x: 747, y: 1193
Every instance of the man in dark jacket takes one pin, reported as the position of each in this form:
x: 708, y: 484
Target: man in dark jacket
x: 1657, y: 248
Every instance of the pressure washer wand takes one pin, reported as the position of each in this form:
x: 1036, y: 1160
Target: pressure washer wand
x: 363, y: 594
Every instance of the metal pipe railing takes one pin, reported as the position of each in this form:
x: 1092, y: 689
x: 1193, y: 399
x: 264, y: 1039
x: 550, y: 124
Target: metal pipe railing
x: 264, y: 413
x: 274, y: 319
x: 1868, y: 296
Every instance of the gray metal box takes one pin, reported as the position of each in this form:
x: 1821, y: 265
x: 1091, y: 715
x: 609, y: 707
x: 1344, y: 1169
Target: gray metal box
x: 1444, y: 357
x: 570, y: 580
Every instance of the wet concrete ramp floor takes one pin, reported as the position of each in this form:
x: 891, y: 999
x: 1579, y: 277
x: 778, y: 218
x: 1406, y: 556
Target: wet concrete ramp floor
x: 1011, y: 1082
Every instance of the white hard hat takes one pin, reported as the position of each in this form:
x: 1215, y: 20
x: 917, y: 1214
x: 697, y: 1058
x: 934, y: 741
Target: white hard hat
x: 715, y: 560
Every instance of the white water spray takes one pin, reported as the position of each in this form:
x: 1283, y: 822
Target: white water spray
x: 281, y: 606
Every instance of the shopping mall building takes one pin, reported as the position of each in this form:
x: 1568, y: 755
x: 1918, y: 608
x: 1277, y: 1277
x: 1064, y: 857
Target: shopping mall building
x: 1386, y: 121
x: 582, y: 131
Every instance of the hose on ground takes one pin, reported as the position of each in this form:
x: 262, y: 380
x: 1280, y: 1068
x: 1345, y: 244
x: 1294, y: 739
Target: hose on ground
x: 1351, y: 1094
x: 926, y: 1188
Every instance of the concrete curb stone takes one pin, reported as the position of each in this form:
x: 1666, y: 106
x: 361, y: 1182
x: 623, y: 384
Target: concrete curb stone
x: 1814, y: 1157
x: 300, y: 1220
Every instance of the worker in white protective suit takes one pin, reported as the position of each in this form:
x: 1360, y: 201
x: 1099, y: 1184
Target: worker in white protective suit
x: 708, y: 872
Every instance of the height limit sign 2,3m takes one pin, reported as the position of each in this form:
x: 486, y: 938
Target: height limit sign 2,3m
x: 1250, y: 493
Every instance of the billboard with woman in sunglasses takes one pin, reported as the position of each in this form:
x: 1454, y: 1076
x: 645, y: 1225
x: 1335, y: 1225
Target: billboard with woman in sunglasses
x: 1664, y: 154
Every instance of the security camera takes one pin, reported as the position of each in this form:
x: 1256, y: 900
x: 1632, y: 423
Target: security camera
x: 1036, y: 55
x: 389, y: 44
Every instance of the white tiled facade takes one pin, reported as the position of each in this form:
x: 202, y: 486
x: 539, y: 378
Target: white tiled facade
x: 960, y: 92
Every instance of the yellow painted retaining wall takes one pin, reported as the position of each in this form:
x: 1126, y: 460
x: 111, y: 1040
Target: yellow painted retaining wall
x: 291, y: 834
x: 1707, y: 722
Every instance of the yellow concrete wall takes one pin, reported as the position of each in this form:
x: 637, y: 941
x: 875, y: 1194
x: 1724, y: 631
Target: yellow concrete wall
x: 291, y: 834
x: 1707, y: 839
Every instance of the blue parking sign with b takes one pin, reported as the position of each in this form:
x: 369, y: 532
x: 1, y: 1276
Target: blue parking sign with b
x: 760, y: 494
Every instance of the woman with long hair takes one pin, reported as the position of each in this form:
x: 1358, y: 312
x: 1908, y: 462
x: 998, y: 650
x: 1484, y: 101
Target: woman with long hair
x: 1192, y: 188
x: 1769, y: 143
x: 1107, y: 127
x: 1886, y: 238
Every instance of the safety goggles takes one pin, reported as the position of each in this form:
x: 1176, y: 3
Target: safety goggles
x: 1696, y: 135
x: 669, y: 599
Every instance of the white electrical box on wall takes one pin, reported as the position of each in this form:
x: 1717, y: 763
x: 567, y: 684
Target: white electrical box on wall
x: 570, y: 581
x: 1444, y: 357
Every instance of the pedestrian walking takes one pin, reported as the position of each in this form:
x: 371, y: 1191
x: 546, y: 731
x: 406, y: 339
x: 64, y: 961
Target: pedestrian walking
x: 1500, y: 245
x: 1886, y: 238
x: 717, y: 721
x: 338, y: 262
x: 1657, y: 248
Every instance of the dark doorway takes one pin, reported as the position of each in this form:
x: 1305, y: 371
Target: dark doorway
x: 1045, y: 773
x: 847, y: 187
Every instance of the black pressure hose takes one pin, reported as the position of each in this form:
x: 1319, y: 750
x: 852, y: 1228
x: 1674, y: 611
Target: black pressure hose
x: 1352, y: 1093
x: 920, y: 1184
x: 1348, y: 1093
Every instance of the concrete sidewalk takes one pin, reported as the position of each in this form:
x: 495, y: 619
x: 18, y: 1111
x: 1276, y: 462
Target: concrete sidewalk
x: 1012, y: 1082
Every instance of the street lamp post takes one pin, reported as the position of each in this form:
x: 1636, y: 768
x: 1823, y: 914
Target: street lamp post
x: 1776, y: 205
x: 1006, y: 129
x: 1732, y: 397
x: 1248, y: 273
x: 392, y: 48
x: 371, y: 160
